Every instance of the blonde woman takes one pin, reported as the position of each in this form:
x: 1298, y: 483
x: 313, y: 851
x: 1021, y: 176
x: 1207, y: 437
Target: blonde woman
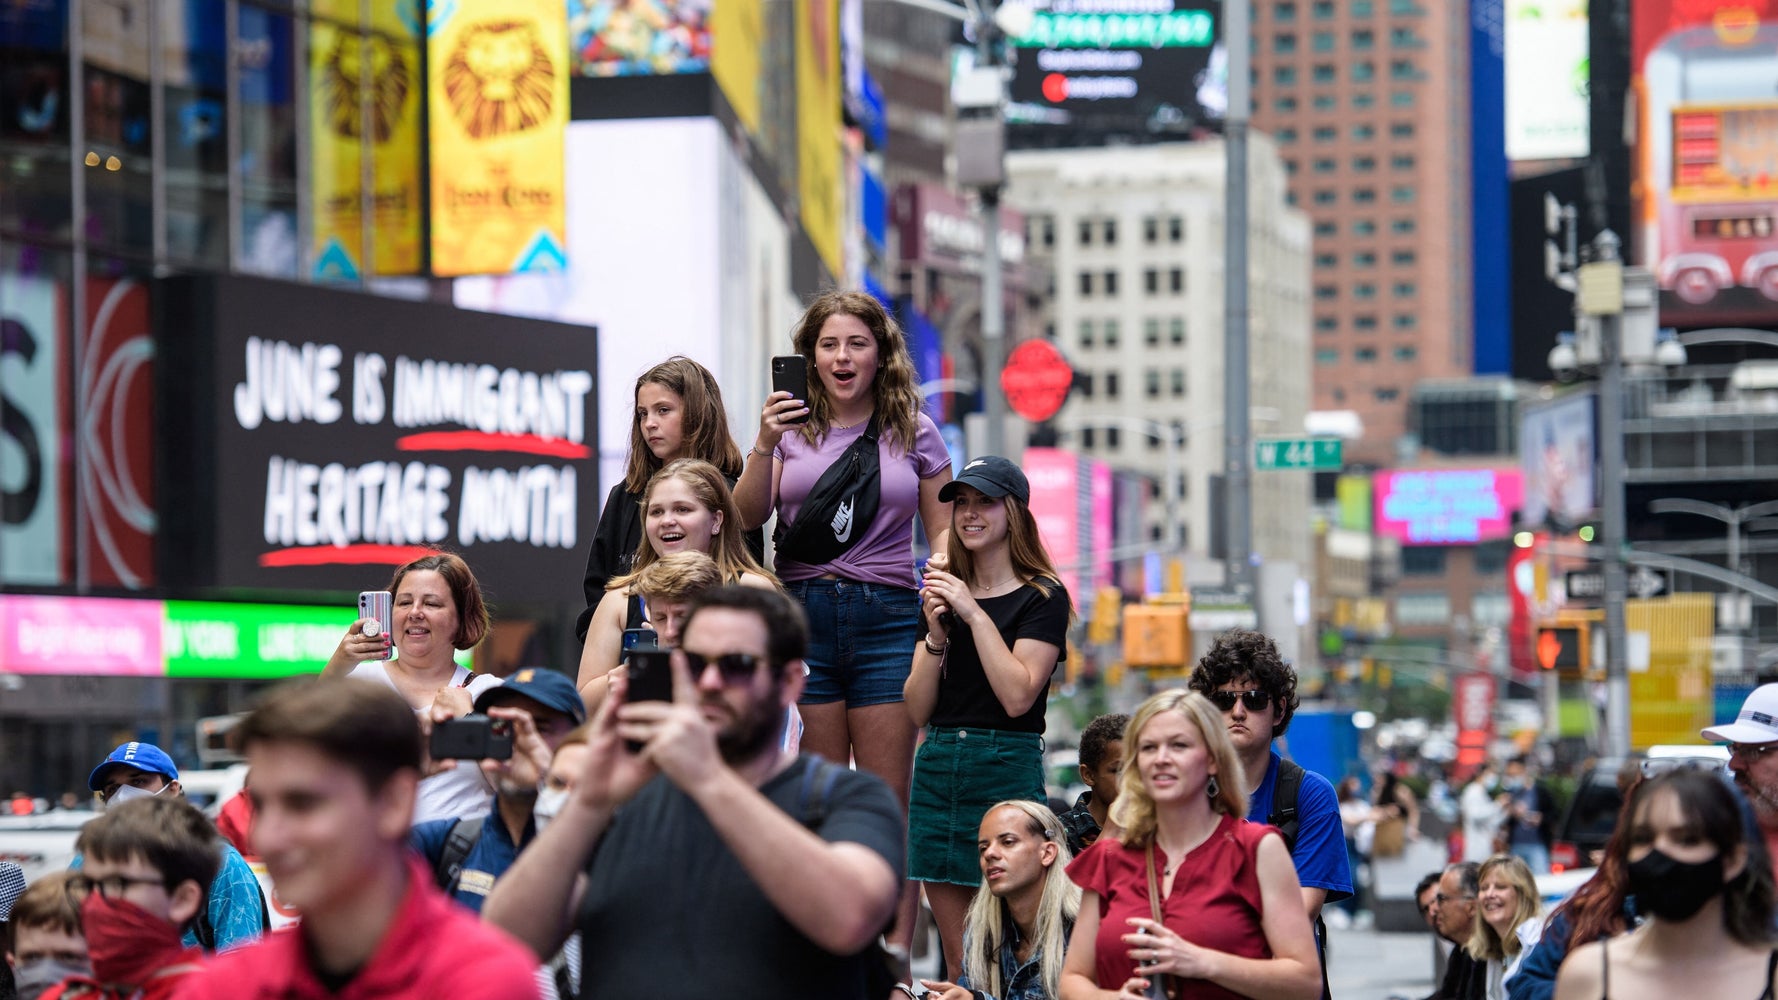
x: 687, y: 507
x: 1232, y: 918
x: 1508, y: 919
x: 1017, y: 930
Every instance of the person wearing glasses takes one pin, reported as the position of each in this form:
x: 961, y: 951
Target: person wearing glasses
x: 146, y: 863
x: 707, y: 860
x: 1753, y: 757
x: 1454, y: 917
x: 1246, y: 679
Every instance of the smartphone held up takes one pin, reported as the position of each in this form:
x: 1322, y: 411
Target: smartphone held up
x: 471, y: 737
x: 790, y: 373
x: 379, y: 607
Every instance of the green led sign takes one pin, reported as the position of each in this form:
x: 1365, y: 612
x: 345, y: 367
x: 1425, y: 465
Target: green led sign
x: 209, y: 639
x: 1178, y: 29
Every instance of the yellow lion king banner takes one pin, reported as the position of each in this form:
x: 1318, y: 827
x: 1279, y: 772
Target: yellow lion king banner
x: 498, y: 94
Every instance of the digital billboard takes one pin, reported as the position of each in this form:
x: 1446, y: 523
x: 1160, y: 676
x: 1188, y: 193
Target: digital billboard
x: 339, y: 434
x: 35, y: 497
x: 818, y: 90
x: 627, y: 38
x: 497, y: 86
x: 1447, y: 506
x: 1546, y: 79
x: 1705, y: 82
x: 1557, y: 450
x: 1159, y: 71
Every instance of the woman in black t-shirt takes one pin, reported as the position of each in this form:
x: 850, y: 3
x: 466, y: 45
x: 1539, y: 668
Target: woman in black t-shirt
x: 996, y: 618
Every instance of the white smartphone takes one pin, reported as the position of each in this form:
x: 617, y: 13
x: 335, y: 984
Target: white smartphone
x: 379, y: 605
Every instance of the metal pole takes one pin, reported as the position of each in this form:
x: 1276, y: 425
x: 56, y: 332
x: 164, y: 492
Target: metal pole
x: 1735, y: 542
x: 1611, y: 520
x: 993, y: 323
x: 1175, y: 501
x: 1237, y: 446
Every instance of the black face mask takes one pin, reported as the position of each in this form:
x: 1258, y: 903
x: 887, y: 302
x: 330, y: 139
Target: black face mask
x: 1674, y: 890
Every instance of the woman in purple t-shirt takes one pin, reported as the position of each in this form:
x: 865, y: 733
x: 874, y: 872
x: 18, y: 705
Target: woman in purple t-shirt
x: 863, y: 605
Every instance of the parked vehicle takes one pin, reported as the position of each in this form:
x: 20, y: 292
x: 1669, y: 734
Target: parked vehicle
x: 1592, y: 814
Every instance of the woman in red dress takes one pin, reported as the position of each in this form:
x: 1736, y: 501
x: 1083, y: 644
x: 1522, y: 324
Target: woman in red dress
x: 1232, y: 922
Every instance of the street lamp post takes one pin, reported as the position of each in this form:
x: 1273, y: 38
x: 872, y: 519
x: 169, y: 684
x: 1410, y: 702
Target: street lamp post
x: 1609, y: 298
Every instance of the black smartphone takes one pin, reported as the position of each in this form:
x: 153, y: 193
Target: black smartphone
x: 790, y: 373
x: 472, y: 737
x: 650, y: 672
x: 634, y: 637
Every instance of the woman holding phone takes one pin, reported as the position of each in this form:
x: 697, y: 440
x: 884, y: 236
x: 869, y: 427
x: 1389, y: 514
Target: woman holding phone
x: 687, y: 507
x: 996, y: 621
x: 678, y: 414
x: 850, y: 562
x: 437, y: 610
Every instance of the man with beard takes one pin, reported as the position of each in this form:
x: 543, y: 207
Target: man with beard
x: 714, y: 877
x: 1753, y: 757
x: 468, y: 854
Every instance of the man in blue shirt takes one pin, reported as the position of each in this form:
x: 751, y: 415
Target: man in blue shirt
x: 468, y: 855
x: 234, y: 907
x: 1254, y: 688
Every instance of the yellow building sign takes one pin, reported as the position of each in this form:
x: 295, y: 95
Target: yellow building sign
x: 498, y: 93
x: 819, y: 184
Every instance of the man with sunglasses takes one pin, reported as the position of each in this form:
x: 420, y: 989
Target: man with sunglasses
x: 1246, y: 679
x: 1753, y: 757
x: 731, y: 863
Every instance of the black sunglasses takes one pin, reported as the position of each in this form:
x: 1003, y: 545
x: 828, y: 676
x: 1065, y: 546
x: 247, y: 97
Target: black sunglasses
x: 1256, y: 699
x: 734, y: 667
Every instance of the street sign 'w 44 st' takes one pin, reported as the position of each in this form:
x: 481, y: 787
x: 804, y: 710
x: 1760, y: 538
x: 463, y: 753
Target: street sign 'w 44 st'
x: 1297, y: 453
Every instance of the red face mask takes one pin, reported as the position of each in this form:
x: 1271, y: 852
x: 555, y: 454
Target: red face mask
x: 126, y: 942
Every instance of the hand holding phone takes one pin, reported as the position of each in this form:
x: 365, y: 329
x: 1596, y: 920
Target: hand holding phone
x: 471, y: 737
x: 378, y: 607
x: 649, y: 670
x: 790, y: 373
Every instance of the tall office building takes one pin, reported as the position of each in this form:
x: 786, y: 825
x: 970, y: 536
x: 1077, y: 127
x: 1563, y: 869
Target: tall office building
x: 1133, y: 238
x: 1368, y: 101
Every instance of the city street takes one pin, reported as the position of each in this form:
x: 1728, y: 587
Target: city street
x: 1367, y: 965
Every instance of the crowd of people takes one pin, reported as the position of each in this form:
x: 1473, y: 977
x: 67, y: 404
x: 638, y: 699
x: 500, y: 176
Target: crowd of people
x: 754, y: 774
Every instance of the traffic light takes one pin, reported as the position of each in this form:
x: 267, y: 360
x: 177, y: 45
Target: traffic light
x: 1107, y: 609
x: 1156, y: 636
x: 1562, y: 648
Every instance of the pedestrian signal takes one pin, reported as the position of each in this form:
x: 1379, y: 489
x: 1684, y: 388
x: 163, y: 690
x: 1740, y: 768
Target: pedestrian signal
x: 1561, y: 648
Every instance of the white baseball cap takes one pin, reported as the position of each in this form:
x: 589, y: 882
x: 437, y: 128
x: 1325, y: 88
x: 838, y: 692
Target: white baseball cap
x: 1757, y: 723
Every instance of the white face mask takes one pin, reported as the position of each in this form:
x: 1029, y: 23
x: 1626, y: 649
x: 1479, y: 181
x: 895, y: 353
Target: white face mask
x: 549, y: 802
x: 125, y: 793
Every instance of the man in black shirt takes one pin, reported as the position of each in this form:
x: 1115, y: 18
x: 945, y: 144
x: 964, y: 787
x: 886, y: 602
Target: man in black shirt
x: 722, y: 873
x: 1453, y: 909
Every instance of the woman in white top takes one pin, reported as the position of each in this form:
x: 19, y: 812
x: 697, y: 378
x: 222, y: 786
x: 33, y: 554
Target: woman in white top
x: 1508, y: 919
x: 438, y: 609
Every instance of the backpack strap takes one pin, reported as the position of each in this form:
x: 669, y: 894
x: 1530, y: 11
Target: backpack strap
x: 1284, y: 796
x: 204, y: 929
x: 458, y: 843
x: 817, y: 786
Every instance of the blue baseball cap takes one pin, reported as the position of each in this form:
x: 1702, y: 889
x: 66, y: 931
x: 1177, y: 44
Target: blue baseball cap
x: 143, y: 756
x: 546, y: 687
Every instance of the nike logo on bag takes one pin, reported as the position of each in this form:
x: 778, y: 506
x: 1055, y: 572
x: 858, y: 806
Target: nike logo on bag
x: 842, y: 522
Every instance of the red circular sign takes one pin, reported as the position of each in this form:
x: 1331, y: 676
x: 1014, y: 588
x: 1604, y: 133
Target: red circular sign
x: 1036, y: 380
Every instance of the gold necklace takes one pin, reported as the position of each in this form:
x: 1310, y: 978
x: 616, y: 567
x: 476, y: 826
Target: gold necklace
x: 986, y: 587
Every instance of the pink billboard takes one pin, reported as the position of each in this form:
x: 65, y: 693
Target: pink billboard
x: 1103, y: 495
x: 1448, y: 506
x: 1055, y: 505
x: 93, y: 636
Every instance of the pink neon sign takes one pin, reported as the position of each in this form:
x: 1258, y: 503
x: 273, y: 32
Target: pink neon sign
x: 93, y: 636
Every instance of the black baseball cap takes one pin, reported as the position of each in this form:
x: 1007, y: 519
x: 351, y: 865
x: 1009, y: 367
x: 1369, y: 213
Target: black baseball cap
x: 994, y: 476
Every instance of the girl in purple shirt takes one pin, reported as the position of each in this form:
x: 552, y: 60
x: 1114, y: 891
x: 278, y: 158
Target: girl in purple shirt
x: 863, y: 606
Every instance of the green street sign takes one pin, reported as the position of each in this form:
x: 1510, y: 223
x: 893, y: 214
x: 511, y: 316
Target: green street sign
x: 1275, y: 454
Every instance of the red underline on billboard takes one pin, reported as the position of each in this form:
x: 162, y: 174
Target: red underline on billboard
x: 344, y: 555
x: 530, y: 444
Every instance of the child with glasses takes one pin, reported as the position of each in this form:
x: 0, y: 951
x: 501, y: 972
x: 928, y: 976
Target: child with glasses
x: 147, y: 863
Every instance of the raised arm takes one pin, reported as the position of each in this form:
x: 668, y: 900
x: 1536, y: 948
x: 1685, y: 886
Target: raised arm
x: 756, y: 492
x: 604, y: 644
x: 355, y: 647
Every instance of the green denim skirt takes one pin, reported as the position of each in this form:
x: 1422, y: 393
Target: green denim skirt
x: 959, y: 774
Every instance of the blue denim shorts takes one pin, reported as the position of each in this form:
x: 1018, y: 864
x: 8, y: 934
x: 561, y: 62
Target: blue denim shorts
x: 959, y: 774
x: 861, y: 640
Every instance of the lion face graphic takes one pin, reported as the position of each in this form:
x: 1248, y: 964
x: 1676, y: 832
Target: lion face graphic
x: 342, y: 86
x: 499, y: 79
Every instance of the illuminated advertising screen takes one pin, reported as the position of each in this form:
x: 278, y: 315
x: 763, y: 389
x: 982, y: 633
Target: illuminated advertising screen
x: 338, y: 435
x: 35, y: 494
x: 1557, y: 450
x: 1706, y: 89
x: 1158, y: 71
x: 497, y: 83
x: 640, y: 37
x: 1447, y: 506
x: 1546, y: 79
